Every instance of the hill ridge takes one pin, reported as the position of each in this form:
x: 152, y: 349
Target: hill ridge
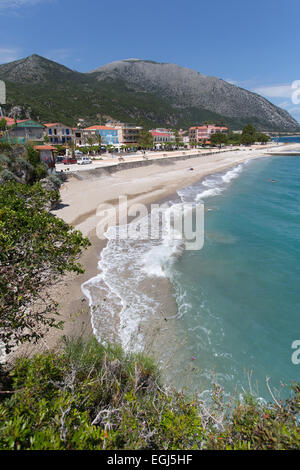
x: 135, y: 90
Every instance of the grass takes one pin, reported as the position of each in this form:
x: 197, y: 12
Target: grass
x: 87, y: 396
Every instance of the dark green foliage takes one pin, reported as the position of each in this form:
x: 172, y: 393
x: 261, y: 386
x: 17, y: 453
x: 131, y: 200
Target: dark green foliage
x: 7, y: 175
x: 218, y: 139
x: 4, y: 146
x: 145, y: 139
x: 87, y: 396
x: 35, y: 248
x: 248, y: 136
x: 41, y: 171
x: 32, y: 155
x: 263, y: 138
x: 2, y: 125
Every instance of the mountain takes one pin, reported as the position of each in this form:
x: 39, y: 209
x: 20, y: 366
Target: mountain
x: 133, y: 90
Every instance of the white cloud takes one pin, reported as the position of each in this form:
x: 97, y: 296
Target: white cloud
x: 284, y: 104
x: 232, y: 82
x: 275, y: 91
x: 295, y: 110
x: 14, y: 4
x: 8, y: 54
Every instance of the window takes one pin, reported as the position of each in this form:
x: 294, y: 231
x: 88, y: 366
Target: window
x: 50, y: 131
x: 67, y: 131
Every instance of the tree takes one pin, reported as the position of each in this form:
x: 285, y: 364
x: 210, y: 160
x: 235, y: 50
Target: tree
x: 247, y: 139
x: 72, y: 147
x: 234, y: 138
x: 89, y: 140
x: 262, y: 138
x: 177, y: 137
x: 249, y: 130
x: 248, y: 136
x: 36, y: 247
x: 145, y: 139
x: 2, y: 125
x: 218, y: 139
x: 99, y: 140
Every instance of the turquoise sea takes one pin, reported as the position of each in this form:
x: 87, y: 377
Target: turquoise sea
x: 239, y: 297
x: 228, y: 313
x: 287, y: 140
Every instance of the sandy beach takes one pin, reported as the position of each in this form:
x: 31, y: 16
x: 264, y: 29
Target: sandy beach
x: 80, y: 198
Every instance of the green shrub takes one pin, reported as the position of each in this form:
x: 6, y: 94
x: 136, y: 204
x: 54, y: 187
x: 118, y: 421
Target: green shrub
x: 41, y: 171
x: 7, y: 175
x: 36, y: 247
x: 87, y: 396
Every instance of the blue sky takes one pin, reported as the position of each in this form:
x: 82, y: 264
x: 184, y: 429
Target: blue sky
x: 252, y: 44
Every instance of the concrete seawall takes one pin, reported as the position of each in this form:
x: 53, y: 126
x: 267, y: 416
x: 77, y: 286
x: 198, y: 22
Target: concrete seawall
x: 110, y: 169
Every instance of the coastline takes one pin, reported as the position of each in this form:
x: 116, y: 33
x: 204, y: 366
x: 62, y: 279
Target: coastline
x: 80, y: 199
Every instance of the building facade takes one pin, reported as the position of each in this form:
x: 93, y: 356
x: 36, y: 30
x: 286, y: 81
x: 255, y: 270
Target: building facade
x: 161, y: 136
x: 78, y: 136
x: 200, y: 133
x: 24, y: 131
x: 128, y: 133
x: 59, y: 133
x: 109, y: 135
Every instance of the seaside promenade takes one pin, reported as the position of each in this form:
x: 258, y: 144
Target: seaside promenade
x: 110, y: 160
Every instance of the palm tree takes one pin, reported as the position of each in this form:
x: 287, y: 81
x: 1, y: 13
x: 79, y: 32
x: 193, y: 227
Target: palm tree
x: 72, y: 147
x: 99, y: 140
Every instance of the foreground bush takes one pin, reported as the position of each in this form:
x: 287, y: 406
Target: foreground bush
x: 36, y: 247
x: 91, y: 397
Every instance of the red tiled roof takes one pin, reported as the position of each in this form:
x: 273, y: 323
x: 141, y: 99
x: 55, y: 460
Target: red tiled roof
x: 208, y: 126
x: 51, y: 124
x: 44, y: 147
x: 100, y: 128
x: 161, y: 134
x: 9, y: 121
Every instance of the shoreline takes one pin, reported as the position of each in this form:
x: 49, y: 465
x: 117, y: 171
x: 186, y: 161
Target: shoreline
x: 79, y: 202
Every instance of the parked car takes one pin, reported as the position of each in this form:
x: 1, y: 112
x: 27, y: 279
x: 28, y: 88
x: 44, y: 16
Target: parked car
x: 84, y: 161
x: 69, y: 161
x: 78, y: 153
x: 60, y: 158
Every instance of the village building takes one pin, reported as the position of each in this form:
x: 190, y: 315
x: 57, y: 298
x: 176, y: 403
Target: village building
x: 109, y: 135
x: 59, y: 133
x: 78, y: 136
x: 129, y: 133
x: 200, y: 133
x: 161, y: 136
x: 22, y: 131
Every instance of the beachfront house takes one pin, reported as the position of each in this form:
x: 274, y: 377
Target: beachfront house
x: 161, y: 136
x: 128, y: 133
x: 109, y: 135
x: 58, y: 133
x: 22, y: 131
x: 77, y: 135
x: 200, y: 133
